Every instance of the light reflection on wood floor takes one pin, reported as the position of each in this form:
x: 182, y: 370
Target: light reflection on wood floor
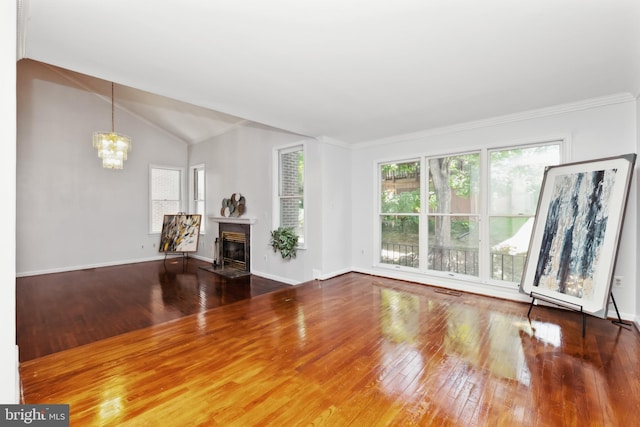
x: 55, y: 312
x: 353, y: 350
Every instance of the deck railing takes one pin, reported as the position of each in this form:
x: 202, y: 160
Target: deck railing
x: 503, y: 266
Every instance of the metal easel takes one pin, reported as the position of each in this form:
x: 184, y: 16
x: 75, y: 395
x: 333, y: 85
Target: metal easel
x: 559, y: 303
x: 577, y: 308
x: 618, y: 322
x: 184, y: 256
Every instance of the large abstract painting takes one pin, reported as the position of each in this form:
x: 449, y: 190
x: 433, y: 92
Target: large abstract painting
x: 180, y: 233
x: 576, y: 233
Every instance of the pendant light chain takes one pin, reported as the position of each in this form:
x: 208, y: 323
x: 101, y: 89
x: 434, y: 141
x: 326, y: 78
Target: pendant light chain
x: 113, y: 114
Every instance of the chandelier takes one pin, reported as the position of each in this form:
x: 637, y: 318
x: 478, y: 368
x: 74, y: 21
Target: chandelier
x: 112, y: 147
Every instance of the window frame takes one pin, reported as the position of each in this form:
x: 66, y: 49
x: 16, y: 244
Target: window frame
x: 193, y: 193
x: 479, y: 215
x: 484, y: 268
x: 377, y: 232
x: 485, y: 246
x: 150, y: 190
x: 277, y: 197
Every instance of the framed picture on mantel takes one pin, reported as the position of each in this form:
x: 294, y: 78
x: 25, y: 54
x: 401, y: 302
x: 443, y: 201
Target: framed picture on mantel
x: 180, y: 233
x: 576, y: 232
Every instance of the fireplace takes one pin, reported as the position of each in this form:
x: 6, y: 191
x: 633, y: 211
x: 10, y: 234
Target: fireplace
x: 234, y: 254
x: 235, y: 247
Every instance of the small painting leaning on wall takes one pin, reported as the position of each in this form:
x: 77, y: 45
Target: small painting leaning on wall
x: 180, y: 233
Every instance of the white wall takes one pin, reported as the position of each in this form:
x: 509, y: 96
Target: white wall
x: 8, y: 358
x: 75, y: 214
x: 72, y: 213
x: 336, y: 210
x: 596, y: 129
x: 241, y: 162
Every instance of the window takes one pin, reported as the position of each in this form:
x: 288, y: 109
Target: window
x: 165, y: 194
x: 198, y: 194
x: 289, y: 208
x: 515, y: 179
x: 470, y: 214
x: 400, y: 213
x: 454, y: 214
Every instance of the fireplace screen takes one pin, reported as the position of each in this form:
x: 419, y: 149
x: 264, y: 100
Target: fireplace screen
x: 234, y: 250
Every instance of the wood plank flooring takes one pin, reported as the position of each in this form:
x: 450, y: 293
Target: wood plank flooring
x: 354, y: 350
x: 55, y: 312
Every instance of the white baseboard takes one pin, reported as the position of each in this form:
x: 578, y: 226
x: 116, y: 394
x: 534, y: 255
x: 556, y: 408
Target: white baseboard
x: 326, y: 276
x: 102, y: 264
x: 88, y: 266
x: 490, y: 291
x: 611, y: 314
x: 201, y: 258
x: 276, y: 278
x: 18, y: 396
x: 457, y: 285
x: 288, y: 281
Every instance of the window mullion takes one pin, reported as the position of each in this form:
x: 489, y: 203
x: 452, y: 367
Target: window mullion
x: 423, y: 232
x: 484, y: 255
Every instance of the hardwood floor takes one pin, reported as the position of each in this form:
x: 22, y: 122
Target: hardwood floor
x: 353, y: 350
x: 64, y: 310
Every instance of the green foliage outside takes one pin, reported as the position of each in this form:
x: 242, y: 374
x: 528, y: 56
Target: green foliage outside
x: 401, y: 228
x: 512, y: 171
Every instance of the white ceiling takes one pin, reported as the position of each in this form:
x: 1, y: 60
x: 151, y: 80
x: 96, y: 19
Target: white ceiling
x: 350, y: 70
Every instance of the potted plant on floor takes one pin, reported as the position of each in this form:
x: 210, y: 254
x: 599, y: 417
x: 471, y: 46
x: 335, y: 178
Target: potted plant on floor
x: 285, y: 240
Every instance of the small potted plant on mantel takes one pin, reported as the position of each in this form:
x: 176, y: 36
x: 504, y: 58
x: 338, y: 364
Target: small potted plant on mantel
x: 285, y: 240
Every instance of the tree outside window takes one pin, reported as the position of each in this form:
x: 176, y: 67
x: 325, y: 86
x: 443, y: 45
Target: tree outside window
x: 455, y: 220
x: 399, y: 213
x: 454, y: 214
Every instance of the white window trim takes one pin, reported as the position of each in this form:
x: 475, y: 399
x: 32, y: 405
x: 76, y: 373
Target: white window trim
x: 149, y: 200
x: 377, y: 234
x: 192, y: 189
x: 484, y: 276
x: 425, y: 213
x: 485, y: 247
x: 275, y: 162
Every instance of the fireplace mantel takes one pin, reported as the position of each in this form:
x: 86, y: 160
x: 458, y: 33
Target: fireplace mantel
x: 232, y: 220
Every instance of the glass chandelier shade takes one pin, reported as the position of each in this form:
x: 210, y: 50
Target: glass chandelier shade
x: 112, y: 147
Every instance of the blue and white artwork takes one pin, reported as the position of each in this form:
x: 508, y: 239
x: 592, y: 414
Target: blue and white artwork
x: 574, y: 232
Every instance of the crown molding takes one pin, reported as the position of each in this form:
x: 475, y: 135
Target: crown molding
x: 509, y: 118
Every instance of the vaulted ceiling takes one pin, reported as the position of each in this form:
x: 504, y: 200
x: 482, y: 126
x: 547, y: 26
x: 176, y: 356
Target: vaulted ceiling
x: 350, y: 70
